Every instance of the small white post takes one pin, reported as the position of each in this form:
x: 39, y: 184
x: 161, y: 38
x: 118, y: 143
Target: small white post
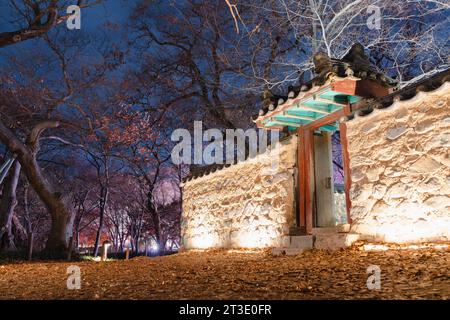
x: 105, y: 246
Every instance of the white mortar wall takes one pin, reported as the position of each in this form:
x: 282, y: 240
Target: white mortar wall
x: 400, y: 164
x: 250, y: 204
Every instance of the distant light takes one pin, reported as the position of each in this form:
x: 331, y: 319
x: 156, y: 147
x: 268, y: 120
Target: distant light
x: 154, y: 247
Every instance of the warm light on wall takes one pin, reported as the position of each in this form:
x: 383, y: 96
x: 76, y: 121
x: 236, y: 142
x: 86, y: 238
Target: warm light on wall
x: 410, y: 222
x: 255, y: 237
x: 204, y: 241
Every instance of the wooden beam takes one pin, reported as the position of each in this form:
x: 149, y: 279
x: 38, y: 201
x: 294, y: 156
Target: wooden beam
x: 306, y: 178
x: 370, y: 88
x: 285, y: 123
x: 309, y: 179
x: 347, y: 171
x: 363, y: 88
x: 311, y: 109
x: 301, y: 177
x: 293, y: 116
x: 277, y: 128
x: 346, y: 86
x: 261, y: 125
x: 328, y: 128
x: 332, y: 117
x: 322, y: 100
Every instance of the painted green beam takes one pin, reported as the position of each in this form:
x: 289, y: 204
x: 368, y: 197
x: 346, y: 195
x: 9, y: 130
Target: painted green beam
x: 311, y: 109
x: 335, y: 96
x: 325, y: 106
x: 353, y: 99
x: 328, y: 127
x: 302, y: 113
x: 278, y: 122
x: 328, y: 102
x: 339, y: 97
x: 288, y: 115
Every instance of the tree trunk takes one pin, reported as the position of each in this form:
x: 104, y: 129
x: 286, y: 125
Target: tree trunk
x: 77, y: 240
x: 30, y: 246
x: 155, y: 219
x: 159, y: 241
x: 7, y: 206
x: 70, y: 249
x: 26, y: 154
x: 138, y: 237
x: 103, y: 200
x: 58, y: 240
x: 157, y: 226
x: 28, y: 225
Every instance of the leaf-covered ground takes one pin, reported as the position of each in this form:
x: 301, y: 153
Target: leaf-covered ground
x: 405, y: 274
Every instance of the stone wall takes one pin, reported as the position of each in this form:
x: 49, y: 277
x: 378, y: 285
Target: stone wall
x: 249, y: 204
x: 400, y: 164
x: 340, y: 208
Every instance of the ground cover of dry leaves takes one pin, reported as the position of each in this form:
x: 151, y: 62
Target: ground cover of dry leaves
x: 222, y: 274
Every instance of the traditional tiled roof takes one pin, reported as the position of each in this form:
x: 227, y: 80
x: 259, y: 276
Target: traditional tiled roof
x: 197, y: 171
x: 426, y: 85
x: 355, y: 65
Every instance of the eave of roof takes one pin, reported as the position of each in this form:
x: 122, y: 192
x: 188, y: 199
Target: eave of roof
x: 408, y: 93
x: 305, y: 106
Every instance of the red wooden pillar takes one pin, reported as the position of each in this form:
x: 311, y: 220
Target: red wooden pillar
x: 347, y: 171
x: 306, y: 177
x: 301, y: 177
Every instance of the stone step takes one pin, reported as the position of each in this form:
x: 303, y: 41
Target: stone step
x: 334, y: 241
x: 302, y: 242
x: 324, y: 239
x: 286, y: 251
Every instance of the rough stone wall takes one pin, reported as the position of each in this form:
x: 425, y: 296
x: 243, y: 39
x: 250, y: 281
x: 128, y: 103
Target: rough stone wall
x: 250, y: 204
x: 340, y: 207
x: 400, y: 166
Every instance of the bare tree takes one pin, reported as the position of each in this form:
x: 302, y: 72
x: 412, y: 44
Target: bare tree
x: 36, y: 19
x: 7, y: 205
x: 406, y: 38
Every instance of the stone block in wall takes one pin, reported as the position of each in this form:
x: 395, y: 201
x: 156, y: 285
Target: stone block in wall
x: 409, y: 200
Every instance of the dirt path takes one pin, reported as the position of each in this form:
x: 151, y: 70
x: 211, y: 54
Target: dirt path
x: 405, y: 274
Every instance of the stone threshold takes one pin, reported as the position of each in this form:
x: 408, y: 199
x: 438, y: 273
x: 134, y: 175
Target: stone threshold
x: 332, y: 238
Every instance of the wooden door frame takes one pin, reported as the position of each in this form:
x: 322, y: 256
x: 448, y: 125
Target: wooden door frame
x: 305, y: 162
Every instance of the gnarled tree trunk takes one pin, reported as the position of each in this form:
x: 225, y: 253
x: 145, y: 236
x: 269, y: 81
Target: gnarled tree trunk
x: 7, y: 206
x: 57, y: 242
